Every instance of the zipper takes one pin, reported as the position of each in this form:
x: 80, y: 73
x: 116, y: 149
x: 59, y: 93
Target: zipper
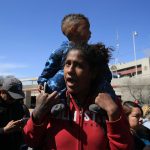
x: 81, y: 127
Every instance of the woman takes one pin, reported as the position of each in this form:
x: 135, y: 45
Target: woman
x: 134, y: 114
x: 11, y: 115
x: 76, y: 127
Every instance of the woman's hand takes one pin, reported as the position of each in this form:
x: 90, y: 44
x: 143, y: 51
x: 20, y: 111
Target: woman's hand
x: 12, y: 126
x: 43, y: 106
x: 105, y: 101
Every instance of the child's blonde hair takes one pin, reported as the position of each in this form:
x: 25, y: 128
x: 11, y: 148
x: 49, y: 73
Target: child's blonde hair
x: 70, y: 22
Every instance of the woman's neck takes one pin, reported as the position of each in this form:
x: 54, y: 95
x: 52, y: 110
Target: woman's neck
x: 81, y: 98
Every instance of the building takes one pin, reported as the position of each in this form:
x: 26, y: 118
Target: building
x: 129, y: 69
x: 30, y: 88
x: 132, y: 81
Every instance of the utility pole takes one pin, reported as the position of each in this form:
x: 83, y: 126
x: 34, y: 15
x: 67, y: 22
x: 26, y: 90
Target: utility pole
x: 133, y: 36
x: 117, y: 50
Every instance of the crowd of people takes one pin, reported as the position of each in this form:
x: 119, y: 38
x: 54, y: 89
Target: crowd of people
x: 77, y: 107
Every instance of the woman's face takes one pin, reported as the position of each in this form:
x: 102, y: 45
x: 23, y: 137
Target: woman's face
x: 134, y: 117
x: 6, y: 97
x: 77, y: 73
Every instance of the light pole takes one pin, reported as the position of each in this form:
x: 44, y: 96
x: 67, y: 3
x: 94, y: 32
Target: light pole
x: 133, y: 36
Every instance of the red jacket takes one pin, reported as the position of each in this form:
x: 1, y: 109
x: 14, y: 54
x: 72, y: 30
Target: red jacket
x: 83, y: 132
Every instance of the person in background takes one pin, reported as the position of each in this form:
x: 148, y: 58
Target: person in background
x: 1, y: 80
x: 76, y: 28
x: 144, y: 131
x: 146, y: 110
x: 76, y: 127
x: 25, y: 108
x: 134, y: 114
x: 146, y: 116
x: 11, y: 115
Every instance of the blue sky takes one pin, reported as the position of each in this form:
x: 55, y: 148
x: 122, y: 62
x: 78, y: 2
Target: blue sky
x: 30, y: 30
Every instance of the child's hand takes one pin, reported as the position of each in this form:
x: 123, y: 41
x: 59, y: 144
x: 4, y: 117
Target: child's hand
x: 105, y: 101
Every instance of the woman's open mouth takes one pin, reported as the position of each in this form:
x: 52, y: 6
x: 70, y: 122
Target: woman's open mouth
x: 71, y: 82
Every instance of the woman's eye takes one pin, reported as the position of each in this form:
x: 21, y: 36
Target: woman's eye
x: 79, y: 65
x: 67, y: 63
x: 136, y: 116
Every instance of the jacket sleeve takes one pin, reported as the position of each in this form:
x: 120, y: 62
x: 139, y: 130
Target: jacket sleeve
x: 52, y: 65
x: 119, y: 135
x: 33, y: 134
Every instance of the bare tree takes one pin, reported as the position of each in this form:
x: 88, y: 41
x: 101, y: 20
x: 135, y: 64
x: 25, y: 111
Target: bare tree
x: 138, y: 90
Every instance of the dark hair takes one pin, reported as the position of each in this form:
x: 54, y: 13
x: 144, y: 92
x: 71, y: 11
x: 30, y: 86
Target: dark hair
x: 97, y: 56
x: 128, y: 105
x: 73, y: 19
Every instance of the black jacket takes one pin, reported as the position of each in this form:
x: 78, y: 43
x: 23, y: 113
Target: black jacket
x: 14, y: 111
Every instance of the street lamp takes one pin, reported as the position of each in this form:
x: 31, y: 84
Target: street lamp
x: 133, y: 36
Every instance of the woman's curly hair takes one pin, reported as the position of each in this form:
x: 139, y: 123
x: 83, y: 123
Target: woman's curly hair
x: 102, y: 52
x: 97, y: 56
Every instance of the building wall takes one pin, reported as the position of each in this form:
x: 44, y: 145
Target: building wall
x: 143, y: 67
x: 146, y: 66
x: 133, y: 88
